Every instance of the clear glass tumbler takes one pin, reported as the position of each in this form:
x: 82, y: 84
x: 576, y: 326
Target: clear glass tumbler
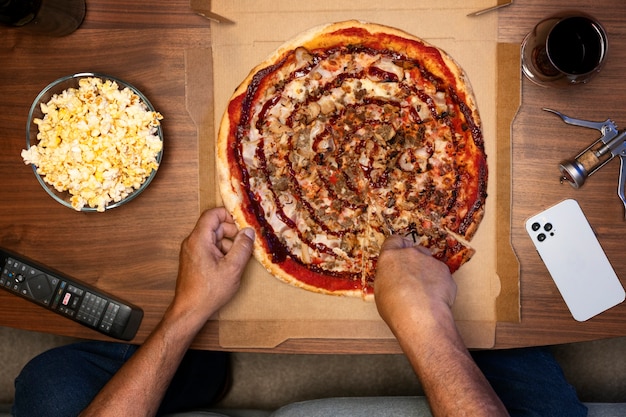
x: 564, y: 49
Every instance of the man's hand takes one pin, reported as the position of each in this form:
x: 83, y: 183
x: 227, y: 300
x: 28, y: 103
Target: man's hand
x: 212, y: 260
x: 414, y: 295
x: 409, y: 279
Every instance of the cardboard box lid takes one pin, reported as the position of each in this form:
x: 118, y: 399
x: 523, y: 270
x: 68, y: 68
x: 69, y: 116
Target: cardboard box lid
x: 267, y: 312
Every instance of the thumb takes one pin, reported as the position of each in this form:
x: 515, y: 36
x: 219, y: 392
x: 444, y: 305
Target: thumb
x: 396, y: 242
x: 241, y: 250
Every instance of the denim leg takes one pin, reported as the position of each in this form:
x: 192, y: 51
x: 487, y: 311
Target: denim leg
x: 530, y: 382
x: 201, y: 378
x: 62, y: 381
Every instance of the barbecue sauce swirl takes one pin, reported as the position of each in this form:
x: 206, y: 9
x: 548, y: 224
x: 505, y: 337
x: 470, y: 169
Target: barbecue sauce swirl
x: 323, y: 154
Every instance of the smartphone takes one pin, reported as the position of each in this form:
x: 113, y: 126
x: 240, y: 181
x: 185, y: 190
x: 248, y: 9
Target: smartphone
x: 577, y: 263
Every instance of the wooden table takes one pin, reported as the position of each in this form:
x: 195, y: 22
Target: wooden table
x: 133, y: 251
x: 540, y: 142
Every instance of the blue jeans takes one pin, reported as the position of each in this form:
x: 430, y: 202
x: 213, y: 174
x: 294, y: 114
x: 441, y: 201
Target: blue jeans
x: 530, y: 382
x: 62, y: 381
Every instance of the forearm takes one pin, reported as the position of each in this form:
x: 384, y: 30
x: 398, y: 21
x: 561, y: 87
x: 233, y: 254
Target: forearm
x: 212, y: 259
x: 452, y: 382
x: 139, y: 386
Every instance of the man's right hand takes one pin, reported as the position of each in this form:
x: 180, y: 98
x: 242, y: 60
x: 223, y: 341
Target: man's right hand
x: 410, y: 280
x: 414, y: 295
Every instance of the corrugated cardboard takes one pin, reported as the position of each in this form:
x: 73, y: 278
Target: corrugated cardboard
x: 266, y: 311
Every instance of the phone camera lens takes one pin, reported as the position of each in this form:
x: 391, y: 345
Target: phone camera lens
x: 541, y: 237
x: 547, y: 227
x: 535, y: 226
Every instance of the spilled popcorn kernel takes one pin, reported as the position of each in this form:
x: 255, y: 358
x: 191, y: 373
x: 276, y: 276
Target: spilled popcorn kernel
x: 97, y: 142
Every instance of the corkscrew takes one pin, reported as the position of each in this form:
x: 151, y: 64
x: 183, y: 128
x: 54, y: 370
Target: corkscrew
x: 612, y: 143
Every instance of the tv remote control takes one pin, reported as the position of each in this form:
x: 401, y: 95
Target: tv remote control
x: 69, y: 297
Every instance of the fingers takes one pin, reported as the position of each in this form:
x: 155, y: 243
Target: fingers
x: 227, y: 230
x: 396, y: 242
x: 236, y: 245
x: 218, y: 221
x: 224, y: 236
x: 242, y: 246
x: 399, y: 242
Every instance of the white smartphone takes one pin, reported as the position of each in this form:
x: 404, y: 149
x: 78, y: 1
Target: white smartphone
x: 577, y: 263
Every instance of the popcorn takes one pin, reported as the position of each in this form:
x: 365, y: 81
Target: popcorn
x: 97, y: 142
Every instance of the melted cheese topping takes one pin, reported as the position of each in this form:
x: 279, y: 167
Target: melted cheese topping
x: 347, y: 148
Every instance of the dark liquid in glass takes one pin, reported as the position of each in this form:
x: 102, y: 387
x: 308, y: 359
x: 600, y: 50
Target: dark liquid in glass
x: 18, y: 12
x: 576, y: 45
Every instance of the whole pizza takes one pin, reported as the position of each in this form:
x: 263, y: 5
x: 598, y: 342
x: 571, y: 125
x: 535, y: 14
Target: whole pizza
x: 347, y: 134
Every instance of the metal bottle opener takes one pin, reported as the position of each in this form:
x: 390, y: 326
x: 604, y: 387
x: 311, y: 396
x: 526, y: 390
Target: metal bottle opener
x: 612, y: 143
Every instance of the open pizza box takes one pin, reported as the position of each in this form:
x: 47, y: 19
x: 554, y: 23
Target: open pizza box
x: 267, y: 312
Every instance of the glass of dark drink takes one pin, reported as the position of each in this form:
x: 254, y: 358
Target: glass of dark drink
x: 43, y: 17
x: 569, y: 48
x: 18, y: 13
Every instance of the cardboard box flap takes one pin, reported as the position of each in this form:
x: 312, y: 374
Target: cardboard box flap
x: 266, y: 311
x: 268, y: 334
x: 508, y: 100
x: 199, y: 101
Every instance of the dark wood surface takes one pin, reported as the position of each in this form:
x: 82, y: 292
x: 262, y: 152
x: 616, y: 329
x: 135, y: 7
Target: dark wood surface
x: 540, y: 141
x: 133, y: 250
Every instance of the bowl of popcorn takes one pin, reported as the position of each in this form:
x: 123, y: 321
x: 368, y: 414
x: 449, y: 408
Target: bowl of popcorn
x: 95, y: 142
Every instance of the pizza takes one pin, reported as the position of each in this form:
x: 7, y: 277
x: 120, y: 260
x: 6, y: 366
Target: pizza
x: 345, y: 135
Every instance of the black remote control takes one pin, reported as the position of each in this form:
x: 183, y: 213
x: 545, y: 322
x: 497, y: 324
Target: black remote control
x: 69, y: 297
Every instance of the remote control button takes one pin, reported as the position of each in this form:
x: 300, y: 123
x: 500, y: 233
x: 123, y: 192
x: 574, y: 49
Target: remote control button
x: 58, y: 294
x: 75, y: 290
x: 40, y: 288
x: 91, y: 309
x: 109, y: 317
